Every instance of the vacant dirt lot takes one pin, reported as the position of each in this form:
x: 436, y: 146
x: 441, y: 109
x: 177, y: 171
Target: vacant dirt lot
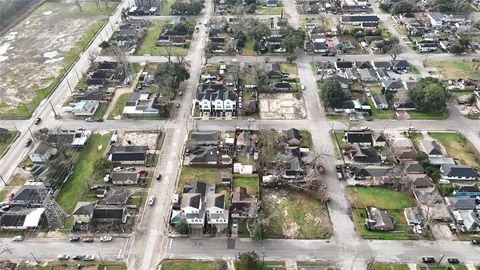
x: 282, y: 106
x: 34, y: 51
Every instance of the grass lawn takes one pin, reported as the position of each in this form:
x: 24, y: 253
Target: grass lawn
x: 388, y: 266
x: 205, y: 175
x: 454, y: 69
x: 401, y: 230
x: 269, y: 10
x: 296, y: 216
x: 457, y: 146
x: 16, y: 181
x: 188, y: 265
x: 165, y: 7
x: 265, y: 265
x: 63, y: 265
x: 101, y: 110
x: 250, y: 183
x: 138, y: 198
x: 149, y: 46
x: 11, y: 136
x: 335, y: 116
x: 339, y: 135
x: 248, y: 48
x: 380, y: 197
x: 76, y: 187
x: 306, y: 139
x: 427, y: 116
x: 118, y: 106
x: 444, y: 267
x: 381, y: 114
x: 289, y: 68
x: 462, y: 93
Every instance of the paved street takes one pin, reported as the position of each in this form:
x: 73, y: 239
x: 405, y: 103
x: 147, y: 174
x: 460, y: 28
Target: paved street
x: 149, y: 244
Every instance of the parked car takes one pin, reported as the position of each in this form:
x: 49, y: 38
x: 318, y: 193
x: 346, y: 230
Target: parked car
x: 475, y: 242
x: 78, y: 257
x: 106, y: 238
x: 453, y: 260
x: 180, y: 93
x: 63, y: 257
x: 178, y: 105
x: 151, y: 201
x: 74, y: 239
x: 28, y: 143
x: 89, y: 119
x: 88, y: 240
x: 89, y: 258
x: 428, y: 259
x: 18, y: 238
x: 158, y: 177
x: 37, y: 121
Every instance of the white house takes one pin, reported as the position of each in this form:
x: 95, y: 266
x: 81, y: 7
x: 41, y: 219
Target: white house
x: 219, y: 102
x: 42, y: 153
x: 216, y: 213
x: 192, y: 210
x: 458, y: 172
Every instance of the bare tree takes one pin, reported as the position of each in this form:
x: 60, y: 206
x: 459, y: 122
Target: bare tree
x: 398, y: 178
x: 97, y: 4
x: 91, y: 58
x: 121, y: 56
x: 79, y: 6
x: 395, y: 51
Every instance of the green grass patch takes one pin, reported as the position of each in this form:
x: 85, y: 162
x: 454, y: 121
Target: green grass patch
x: 444, y: 267
x: 205, y: 175
x: 250, y: 183
x: 5, y: 144
x: 16, y: 181
x: 63, y: 265
x: 165, y: 7
x: 149, y: 45
x: 101, y: 110
x: 457, y: 146
x: 339, y: 136
x: 381, y: 113
x: 379, y: 197
x: 454, y: 69
x: 118, y: 106
x: 76, y: 187
x: 289, y: 68
x: 388, y: 266
x: 294, y: 215
x: 427, y: 115
x: 138, y: 198
x: 306, y: 139
x: 269, y: 11
x: 188, y: 265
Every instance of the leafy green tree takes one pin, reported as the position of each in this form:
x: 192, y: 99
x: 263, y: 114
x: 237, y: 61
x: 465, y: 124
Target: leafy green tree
x: 104, y: 45
x: 182, y: 227
x: 402, y: 7
x: 291, y: 57
x: 457, y: 48
x: 331, y: 93
x: 103, y: 165
x: 259, y: 31
x: 292, y: 38
x: 241, y: 39
x: 256, y: 46
x: 248, y: 260
x: 171, y: 74
x: 429, y: 95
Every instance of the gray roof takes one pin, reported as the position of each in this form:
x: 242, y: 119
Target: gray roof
x: 413, y: 167
x: 215, y: 200
x: 208, y: 155
x: 42, y: 148
x: 461, y: 202
x: 431, y: 147
x: 117, y: 196
x: 458, y: 171
x: 84, y: 208
x: 31, y: 193
x: 204, y: 136
x: 122, y: 176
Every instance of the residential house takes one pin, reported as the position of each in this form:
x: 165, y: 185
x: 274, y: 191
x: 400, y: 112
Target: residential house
x: 140, y: 104
x: 460, y: 203
x: 466, y: 190
x: 325, y: 67
x: 280, y: 87
x: 392, y: 84
x: 243, y: 204
x: 42, y: 153
x: 294, y: 137
x: 368, y: 75
x: 405, y: 154
x: 468, y: 219
x: 381, y: 65
x: 363, y: 65
x: 216, y: 212
x: 124, y: 177
x: 362, y: 20
x: 343, y: 65
x: 458, y: 172
x: 400, y: 65
x: 364, y: 154
x: 274, y: 71
x: 431, y: 203
x: 379, y: 101
x: 8, y: 265
x: 83, y: 212
x: 378, y: 220
x: 370, y: 172
x: 217, y: 101
x: 85, y: 108
x: 426, y: 45
x: 110, y: 213
x: 379, y: 139
x: 420, y: 180
x: 24, y: 219
x: 116, y: 196
x: 207, y: 155
x: 31, y: 194
x: 295, y: 167
x: 431, y: 148
x: 412, y: 167
x: 128, y: 154
x: 363, y: 138
x: 382, y: 74
x: 320, y: 47
x: 204, y: 138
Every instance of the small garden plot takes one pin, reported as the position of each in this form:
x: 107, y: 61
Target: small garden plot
x: 296, y: 216
x: 458, y: 147
x: 205, y: 175
x: 250, y: 183
x: 188, y: 265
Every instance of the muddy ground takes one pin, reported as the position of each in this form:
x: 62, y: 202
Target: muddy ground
x: 32, y: 53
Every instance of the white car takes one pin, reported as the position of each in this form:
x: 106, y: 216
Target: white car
x: 89, y: 258
x: 63, y: 257
x: 151, y: 201
x: 106, y: 238
x: 18, y: 238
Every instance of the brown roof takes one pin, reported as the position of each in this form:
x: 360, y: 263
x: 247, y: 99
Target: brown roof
x: 240, y: 195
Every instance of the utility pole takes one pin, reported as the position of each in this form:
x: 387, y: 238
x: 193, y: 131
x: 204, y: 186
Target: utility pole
x: 14, y: 126
x: 100, y: 256
x: 31, y: 133
x: 69, y: 86
x: 53, y: 109
x: 3, y: 180
x: 36, y: 260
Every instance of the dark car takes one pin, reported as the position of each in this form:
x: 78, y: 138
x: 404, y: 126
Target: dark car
x: 158, y: 177
x: 37, y: 121
x: 28, y: 143
x: 74, y: 239
x: 475, y: 242
x: 453, y: 260
x: 428, y: 260
x: 78, y: 257
x: 88, y: 240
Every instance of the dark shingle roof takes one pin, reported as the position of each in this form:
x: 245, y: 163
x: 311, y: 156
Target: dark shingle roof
x: 128, y: 152
x: 108, y: 213
x: 458, y: 171
x: 359, y: 137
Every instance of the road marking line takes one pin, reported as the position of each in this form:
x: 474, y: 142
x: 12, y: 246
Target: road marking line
x: 170, y: 243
